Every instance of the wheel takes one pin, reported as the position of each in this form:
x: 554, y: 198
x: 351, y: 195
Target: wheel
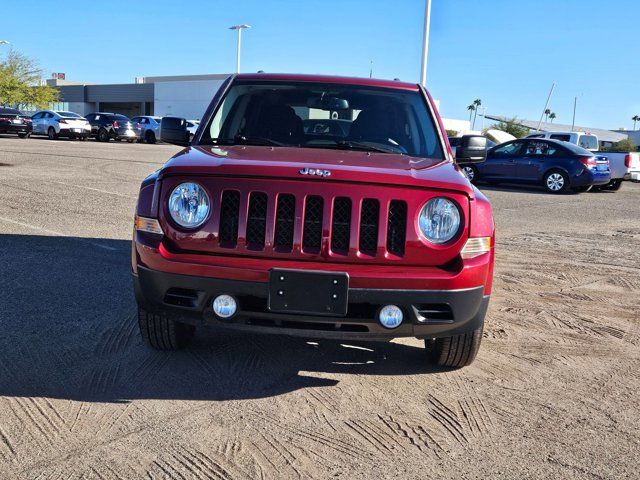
x: 556, y: 181
x: 51, y: 133
x: 131, y: 140
x: 456, y: 351
x: 470, y: 172
x: 149, y: 137
x: 162, y: 333
x: 103, y: 135
x: 581, y: 189
x: 614, y: 185
x: 83, y: 138
x: 24, y: 135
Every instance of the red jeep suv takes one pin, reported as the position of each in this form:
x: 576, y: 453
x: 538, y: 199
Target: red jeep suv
x: 318, y: 206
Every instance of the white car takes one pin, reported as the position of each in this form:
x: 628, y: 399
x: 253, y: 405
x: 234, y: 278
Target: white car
x: 60, y: 124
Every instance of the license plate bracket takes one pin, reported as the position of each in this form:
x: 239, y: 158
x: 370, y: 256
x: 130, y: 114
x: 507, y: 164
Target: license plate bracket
x: 308, y: 292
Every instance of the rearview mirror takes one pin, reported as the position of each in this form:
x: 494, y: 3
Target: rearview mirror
x: 328, y: 103
x: 472, y: 149
x: 174, y: 130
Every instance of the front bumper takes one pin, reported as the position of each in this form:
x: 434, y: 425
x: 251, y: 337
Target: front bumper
x: 427, y: 313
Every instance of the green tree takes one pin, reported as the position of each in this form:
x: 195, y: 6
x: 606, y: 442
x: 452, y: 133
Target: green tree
x: 547, y: 112
x: 476, y: 103
x: 471, y: 109
x: 635, y: 119
x: 552, y: 116
x: 625, y: 145
x: 20, y: 83
x: 512, y: 127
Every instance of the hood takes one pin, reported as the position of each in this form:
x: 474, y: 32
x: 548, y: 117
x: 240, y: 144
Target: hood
x: 344, y: 166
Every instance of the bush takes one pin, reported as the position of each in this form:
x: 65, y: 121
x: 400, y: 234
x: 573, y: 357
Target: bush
x: 512, y: 127
x: 625, y: 145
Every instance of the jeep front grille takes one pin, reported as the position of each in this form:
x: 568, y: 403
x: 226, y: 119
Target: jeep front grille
x: 281, y: 219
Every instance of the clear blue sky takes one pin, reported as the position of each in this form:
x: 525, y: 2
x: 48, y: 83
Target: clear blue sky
x: 505, y: 52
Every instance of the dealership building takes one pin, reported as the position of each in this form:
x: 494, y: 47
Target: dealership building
x: 186, y: 96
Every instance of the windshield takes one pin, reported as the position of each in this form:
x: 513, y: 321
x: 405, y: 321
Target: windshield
x: 312, y: 115
x: 589, y: 142
x: 68, y: 114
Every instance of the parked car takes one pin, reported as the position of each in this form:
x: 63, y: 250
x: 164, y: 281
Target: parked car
x: 107, y: 126
x: 467, y: 168
x: 620, y: 165
x: 585, y: 140
x: 15, y: 123
x: 269, y: 229
x: 149, y: 128
x: 192, y: 127
x: 558, y: 166
x: 56, y: 124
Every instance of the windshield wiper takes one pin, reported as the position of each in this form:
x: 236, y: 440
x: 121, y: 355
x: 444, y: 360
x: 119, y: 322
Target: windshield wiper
x: 258, y: 141
x: 350, y: 144
x: 242, y: 140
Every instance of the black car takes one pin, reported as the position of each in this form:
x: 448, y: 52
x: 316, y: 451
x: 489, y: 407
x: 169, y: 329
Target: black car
x: 107, y: 126
x: 14, y: 122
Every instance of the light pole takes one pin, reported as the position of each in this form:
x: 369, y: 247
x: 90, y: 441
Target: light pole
x: 239, y: 28
x: 425, y: 43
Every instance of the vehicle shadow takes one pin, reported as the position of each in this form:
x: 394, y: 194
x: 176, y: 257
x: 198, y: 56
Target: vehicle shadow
x: 70, y: 332
x: 528, y: 188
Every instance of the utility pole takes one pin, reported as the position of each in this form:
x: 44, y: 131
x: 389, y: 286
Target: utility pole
x: 425, y: 42
x: 371, y: 69
x: 553, y: 85
x: 573, y: 122
x: 239, y: 28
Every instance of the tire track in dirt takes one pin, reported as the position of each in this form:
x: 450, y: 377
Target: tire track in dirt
x: 116, y: 339
x: 415, y: 435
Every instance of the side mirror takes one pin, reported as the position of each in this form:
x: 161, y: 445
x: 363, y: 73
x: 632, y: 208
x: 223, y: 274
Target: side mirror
x: 472, y: 149
x: 174, y: 130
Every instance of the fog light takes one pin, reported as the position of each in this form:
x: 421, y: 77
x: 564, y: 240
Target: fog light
x: 390, y: 316
x: 225, y: 306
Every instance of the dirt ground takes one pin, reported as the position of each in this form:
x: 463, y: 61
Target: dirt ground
x: 552, y: 394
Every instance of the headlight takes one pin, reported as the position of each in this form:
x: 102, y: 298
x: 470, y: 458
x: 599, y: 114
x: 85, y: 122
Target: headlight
x: 189, y: 205
x: 439, y: 220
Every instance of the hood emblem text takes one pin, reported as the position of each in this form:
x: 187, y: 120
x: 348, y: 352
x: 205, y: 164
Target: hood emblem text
x: 315, y: 171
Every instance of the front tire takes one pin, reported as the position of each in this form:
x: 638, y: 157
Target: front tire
x: 24, y: 135
x: 555, y: 181
x: 149, y: 137
x: 470, y: 172
x: 163, y: 333
x: 51, y: 133
x: 456, y: 351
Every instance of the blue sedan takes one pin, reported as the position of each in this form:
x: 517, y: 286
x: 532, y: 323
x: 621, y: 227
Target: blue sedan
x: 556, y: 165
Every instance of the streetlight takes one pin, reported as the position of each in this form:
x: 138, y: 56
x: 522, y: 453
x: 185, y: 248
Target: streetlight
x: 239, y: 28
x: 425, y: 43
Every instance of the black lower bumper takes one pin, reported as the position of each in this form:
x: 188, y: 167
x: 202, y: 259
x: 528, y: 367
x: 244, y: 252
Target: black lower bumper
x: 427, y: 313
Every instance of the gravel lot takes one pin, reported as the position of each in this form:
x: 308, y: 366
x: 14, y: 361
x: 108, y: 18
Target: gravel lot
x: 553, y: 393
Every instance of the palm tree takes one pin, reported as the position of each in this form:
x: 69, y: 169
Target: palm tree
x: 552, y: 115
x: 635, y: 118
x: 471, y: 109
x: 476, y: 103
x: 546, y: 114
